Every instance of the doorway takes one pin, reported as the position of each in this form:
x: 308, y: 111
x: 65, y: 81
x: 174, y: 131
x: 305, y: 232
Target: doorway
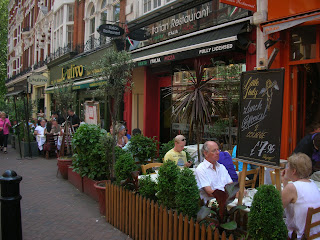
x: 308, y: 98
x: 165, y: 116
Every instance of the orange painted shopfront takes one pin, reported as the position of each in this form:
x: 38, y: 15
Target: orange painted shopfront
x: 299, y: 54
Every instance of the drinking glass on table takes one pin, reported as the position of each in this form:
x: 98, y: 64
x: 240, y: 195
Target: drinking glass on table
x: 155, y: 169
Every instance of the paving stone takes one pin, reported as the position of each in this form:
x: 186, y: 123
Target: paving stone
x: 52, y: 208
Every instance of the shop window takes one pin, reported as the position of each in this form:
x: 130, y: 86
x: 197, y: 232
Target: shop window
x: 303, y: 43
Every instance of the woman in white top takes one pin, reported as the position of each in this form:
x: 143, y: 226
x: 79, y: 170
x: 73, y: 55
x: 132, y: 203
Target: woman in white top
x: 299, y: 195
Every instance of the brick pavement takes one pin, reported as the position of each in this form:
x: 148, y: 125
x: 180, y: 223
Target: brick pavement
x: 52, y: 208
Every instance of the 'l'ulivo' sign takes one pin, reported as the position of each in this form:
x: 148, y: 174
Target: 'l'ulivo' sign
x: 71, y: 72
x: 260, y: 116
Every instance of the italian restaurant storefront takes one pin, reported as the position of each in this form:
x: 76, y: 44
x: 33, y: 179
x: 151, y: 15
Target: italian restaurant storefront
x: 80, y: 70
x: 208, y: 32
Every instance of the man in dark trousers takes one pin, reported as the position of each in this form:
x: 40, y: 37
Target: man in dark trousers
x: 74, y: 119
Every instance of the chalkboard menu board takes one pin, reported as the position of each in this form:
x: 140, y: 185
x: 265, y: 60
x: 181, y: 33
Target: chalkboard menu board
x: 260, y: 116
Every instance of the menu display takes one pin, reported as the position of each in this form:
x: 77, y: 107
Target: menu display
x: 260, y: 116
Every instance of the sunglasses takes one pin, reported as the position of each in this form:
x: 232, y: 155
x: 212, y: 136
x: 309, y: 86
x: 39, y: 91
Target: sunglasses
x: 183, y: 139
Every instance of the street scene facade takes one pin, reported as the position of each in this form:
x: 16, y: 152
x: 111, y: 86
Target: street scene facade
x: 165, y: 111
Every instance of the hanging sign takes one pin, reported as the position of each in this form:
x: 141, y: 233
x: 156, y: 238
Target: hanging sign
x: 37, y: 79
x: 110, y: 30
x: 250, y: 5
x: 260, y: 116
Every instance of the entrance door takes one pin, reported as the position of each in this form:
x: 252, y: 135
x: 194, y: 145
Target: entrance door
x: 165, y: 116
x: 306, y: 104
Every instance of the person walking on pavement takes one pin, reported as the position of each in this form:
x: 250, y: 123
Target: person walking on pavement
x: 4, y: 131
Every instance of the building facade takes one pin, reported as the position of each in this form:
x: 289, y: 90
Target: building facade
x: 293, y: 28
x: 164, y: 38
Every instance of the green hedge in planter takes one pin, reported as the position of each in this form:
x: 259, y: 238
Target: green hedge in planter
x: 266, y: 215
x: 124, y: 165
x: 148, y: 188
x: 92, y: 152
x: 187, y: 197
x: 167, y: 179
x: 143, y: 148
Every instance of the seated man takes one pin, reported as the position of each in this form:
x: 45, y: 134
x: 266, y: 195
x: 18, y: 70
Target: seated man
x: 210, y: 174
x: 177, y: 154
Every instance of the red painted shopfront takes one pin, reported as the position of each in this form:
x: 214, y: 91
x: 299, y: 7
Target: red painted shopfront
x: 294, y: 28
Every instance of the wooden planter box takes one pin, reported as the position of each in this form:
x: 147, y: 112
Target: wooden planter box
x: 75, y: 179
x: 89, y: 189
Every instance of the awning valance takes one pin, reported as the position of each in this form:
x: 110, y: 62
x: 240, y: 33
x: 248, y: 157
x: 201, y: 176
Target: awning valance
x: 214, y: 41
x: 279, y: 25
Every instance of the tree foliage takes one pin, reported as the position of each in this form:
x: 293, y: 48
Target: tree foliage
x: 115, y: 69
x: 3, y: 44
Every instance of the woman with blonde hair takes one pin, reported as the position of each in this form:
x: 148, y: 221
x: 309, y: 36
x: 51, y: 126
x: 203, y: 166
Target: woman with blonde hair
x: 122, y: 140
x: 299, y: 195
x: 4, y: 131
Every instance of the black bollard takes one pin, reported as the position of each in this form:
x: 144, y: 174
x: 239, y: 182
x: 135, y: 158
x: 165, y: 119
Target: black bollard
x: 10, y: 206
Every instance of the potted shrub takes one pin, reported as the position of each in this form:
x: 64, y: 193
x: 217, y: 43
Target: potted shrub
x: 143, y: 148
x: 124, y: 166
x: 167, y: 179
x: 148, y: 188
x: 90, y: 159
x: 25, y: 137
x: 187, y: 197
x: 266, y: 215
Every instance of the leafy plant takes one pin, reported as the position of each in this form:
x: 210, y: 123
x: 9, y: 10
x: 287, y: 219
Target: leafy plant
x: 219, y: 210
x: 187, y: 197
x: 148, y: 188
x: 92, y: 146
x: 125, y: 164
x: 64, y: 98
x: 167, y: 178
x: 143, y: 148
x: 132, y: 182
x: 115, y: 68
x: 193, y: 101
x: 266, y: 215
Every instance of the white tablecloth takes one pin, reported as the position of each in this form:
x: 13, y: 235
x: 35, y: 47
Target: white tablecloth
x: 41, y: 139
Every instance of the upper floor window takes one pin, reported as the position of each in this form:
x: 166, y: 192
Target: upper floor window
x: 146, y: 6
x: 104, y: 12
x: 116, y: 12
x: 92, y: 23
x: 70, y: 12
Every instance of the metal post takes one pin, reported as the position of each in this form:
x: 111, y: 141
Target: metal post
x: 27, y: 123
x: 11, y: 227
x: 18, y: 126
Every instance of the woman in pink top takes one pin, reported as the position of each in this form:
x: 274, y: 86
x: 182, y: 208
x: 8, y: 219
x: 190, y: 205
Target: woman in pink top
x: 4, y: 131
x: 299, y: 195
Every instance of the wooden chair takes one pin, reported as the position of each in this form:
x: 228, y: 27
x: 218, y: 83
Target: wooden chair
x: 236, y: 164
x: 310, y: 224
x: 148, y: 166
x: 50, y: 145
x: 251, y: 183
